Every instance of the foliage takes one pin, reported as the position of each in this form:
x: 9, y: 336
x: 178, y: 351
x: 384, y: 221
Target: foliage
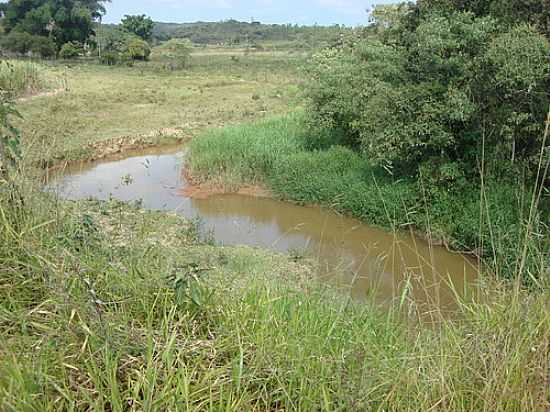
x: 23, y: 43
x: 141, y: 26
x: 61, y: 20
x: 10, y: 150
x: 138, y: 49
x: 43, y: 47
x: 120, y: 46
x: 432, y: 94
x: 70, y: 50
x: 178, y: 51
x: 19, y: 77
x: 510, y: 12
x: 109, y: 58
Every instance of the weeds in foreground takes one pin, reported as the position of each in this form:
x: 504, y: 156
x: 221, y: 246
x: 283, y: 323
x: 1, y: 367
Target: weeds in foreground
x: 134, y: 324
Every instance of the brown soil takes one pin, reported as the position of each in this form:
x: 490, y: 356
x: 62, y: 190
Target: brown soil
x: 123, y: 144
x: 34, y: 95
x: 204, y: 191
x: 197, y: 190
x: 118, y: 147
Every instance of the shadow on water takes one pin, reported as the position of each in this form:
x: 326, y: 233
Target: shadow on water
x: 366, y: 261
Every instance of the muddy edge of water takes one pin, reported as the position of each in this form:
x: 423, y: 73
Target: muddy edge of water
x: 366, y: 261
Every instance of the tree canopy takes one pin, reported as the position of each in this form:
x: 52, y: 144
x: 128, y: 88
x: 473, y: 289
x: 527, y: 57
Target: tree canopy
x: 436, y: 81
x: 141, y: 26
x: 62, y: 21
x: 533, y: 12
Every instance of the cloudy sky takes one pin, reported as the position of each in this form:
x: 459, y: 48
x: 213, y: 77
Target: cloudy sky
x: 349, y: 12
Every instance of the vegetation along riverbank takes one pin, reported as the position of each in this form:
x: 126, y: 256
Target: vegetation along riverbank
x: 431, y: 117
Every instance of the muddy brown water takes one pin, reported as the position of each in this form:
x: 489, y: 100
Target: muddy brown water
x: 364, y: 261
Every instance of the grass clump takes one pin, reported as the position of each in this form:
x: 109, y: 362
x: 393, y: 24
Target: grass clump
x: 245, y: 154
x: 276, y: 153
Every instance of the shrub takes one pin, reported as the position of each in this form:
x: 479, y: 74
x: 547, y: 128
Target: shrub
x: 23, y: 43
x: 177, y: 51
x: 436, y: 93
x: 109, y: 58
x: 43, y: 47
x: 70, y: 50
x: 138, y: 49
x: 16, y: 42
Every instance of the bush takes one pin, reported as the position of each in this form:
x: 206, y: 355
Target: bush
x: 16, y: 42
x: 177, y: 51
x: 138, y: 49
x: 23, y: 43
x: 43, y: 47
x: 435, y: 92
x: 70, y: 50
x: 109, y: 58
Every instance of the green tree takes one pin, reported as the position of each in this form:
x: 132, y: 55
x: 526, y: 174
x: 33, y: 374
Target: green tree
x: 62, y: 21
x: 425, y: 96
x: 533, y: 12
x: 120, y: 45
x: 142, y: 26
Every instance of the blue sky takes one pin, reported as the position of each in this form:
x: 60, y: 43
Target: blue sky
x: 349, y: 12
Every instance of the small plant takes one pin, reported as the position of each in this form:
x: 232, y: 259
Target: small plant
x: 138, y: 49
x: 10, y: 140
x: 70, y: 50
x: 109, y: 58
x: 190, y: 291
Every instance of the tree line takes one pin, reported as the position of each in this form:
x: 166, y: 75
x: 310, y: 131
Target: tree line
x: 47, y: 28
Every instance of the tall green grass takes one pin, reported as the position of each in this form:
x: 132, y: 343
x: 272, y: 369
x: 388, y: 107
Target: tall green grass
x: 18, y: 78
x: 108, y: 307
x: 275, y: 153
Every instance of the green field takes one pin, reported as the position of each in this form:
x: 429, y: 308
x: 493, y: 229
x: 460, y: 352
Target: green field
x: 148, y: 103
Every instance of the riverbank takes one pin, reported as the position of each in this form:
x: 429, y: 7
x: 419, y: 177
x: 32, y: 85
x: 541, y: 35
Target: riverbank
x: 124, y: 305
x: 274, y: 154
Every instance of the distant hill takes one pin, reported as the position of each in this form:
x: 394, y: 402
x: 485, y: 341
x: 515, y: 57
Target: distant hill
x: 233, y: 32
